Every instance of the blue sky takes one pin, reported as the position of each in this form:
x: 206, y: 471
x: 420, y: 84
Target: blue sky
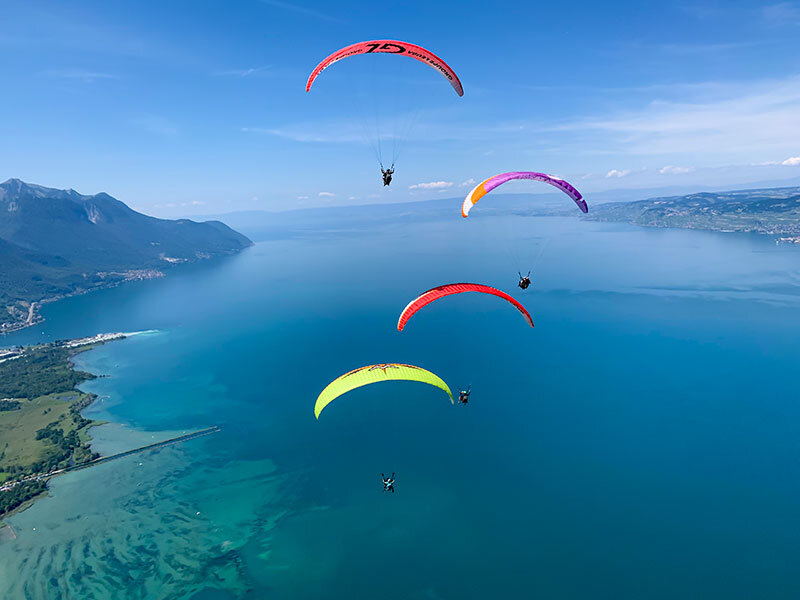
x: 196, y: 107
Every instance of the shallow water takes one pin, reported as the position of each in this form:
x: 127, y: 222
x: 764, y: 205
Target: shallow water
x: 639, y: 442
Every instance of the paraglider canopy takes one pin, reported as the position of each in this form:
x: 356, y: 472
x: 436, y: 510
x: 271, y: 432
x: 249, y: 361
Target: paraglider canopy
x: 387, y: 107
x: 487, y: 186
x: 390, y: 47
x: 455, y: 288
x: 376, y: 374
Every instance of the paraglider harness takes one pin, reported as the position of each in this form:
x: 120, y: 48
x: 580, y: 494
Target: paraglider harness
x: 387, y: 174
x: 388, y: 483
x: 463, y: 395
x: 524, y: 282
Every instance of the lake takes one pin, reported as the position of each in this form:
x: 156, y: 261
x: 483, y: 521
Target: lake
x: 640, y: 442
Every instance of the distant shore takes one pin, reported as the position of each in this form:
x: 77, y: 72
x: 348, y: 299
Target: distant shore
x: 770, y: 211
x: 33, y: 316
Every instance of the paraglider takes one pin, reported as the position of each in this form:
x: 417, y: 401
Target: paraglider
x: 387, y: 175
x: 483, y: 188
x: 387, y: 113
x: 463, y: 395
x: 389, y: 47
x: 388, y: 483
x: 376, y: 374
x: 455, y: 288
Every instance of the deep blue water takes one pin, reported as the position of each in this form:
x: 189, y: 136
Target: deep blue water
x: 640, y: 442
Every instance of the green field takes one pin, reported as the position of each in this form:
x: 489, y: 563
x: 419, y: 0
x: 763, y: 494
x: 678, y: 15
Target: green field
x: 18, y: 443
x: 44, y: 430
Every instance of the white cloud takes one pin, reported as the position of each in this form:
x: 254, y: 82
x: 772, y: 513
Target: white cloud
x: 80, y: 74
x: 352, y: 198
x: 302, y: 197
x: 302, y: 10
x: 618, y: 173
x: 326, y: 194
x: 321, y: 133
x: 432, y: 185
x: 468, y: 182
x: 240, y: 72
x: 739, y: 122
x: 673, y: 170
x: 434, y: 125
x: 179, y: 204
x: 782, y: 13
x: 793, y: 161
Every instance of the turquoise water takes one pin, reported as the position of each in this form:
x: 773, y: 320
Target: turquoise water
x: 641, y: 441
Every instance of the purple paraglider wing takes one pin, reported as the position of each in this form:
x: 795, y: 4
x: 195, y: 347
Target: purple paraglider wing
x: 487, y: 186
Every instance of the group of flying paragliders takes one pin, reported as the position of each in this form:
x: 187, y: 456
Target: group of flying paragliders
x: 403, y: 372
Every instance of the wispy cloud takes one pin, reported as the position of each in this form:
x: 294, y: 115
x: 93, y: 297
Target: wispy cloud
x: 618, y: 173
x: 760, y: 117
x: 432, y: 185
x: 733, y: 122
x: 157, y: 125
x: 242, y: 73
x: 468, y: 182
x: 326, y: 194
x: 782, y: 13
x: 705, y: 11
x: 302, y: 197
x: 302, y: 10
x: 793, y: 161
x: 78, y: 74
x: 433, y: 125
x: 180, y: 204
x: 673, y: 170
x: 693, y: 48
x: 312, y: 133
x: 59, y: 27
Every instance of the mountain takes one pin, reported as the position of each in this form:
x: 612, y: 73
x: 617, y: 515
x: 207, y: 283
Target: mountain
x: 59, y: 242
x: 769, y: 211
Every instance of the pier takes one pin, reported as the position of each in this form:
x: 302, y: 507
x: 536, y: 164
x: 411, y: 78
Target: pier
x: 104, y: 459
x: 175, y: 440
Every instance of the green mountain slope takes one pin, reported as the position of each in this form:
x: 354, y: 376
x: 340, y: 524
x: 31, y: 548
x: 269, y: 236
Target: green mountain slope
x: 769, y: 211
x: 58, y: 242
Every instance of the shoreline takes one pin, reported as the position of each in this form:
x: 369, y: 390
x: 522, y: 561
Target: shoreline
x: 20, y: 509
x: 34, y: 314
x: 777, y: 236
x: 76, y: 346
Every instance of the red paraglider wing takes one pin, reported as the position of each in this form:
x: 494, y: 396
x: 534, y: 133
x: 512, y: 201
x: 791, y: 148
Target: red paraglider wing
x: 391, y: 47
x: 455, y: 288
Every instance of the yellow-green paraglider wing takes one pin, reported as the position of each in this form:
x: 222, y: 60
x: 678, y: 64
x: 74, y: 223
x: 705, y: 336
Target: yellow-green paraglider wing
x: 376, y: 374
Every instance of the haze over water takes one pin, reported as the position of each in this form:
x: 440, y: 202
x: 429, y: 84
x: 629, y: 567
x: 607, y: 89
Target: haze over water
x: 641, y: 441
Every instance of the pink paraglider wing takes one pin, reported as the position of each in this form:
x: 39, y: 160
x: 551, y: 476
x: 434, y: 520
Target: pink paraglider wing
x: 390, y: 47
